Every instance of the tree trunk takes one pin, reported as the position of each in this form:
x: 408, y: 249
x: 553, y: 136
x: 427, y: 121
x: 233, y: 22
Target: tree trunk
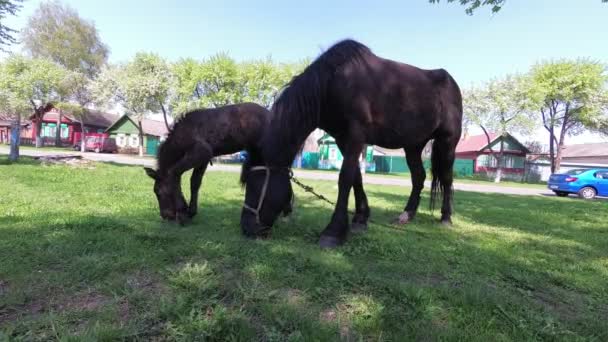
x: 492, y: 155
x: 552, y: 148
x: 141, y: 138
x: 560, y: 144
x: 165, y: 117
x: 82, y: 136
x: 15, y: 138
x: 38, y: 129
x: 58, y: 130
x: 499, y: 161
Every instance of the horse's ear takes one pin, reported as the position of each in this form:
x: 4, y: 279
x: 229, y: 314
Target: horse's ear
x: 151, y: 172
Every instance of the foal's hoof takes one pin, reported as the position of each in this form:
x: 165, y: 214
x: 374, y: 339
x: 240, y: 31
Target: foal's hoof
x: 358, y: 227
x: 404, y: 218
x: 329, y: 242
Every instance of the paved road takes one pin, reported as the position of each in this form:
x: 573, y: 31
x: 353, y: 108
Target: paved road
x: 317, y: 175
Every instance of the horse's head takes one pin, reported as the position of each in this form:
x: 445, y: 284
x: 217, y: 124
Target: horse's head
x: 268, y: 194
x: 168, y: 192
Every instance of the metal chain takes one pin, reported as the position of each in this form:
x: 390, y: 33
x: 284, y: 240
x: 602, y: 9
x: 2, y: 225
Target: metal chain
x: 310, y: 189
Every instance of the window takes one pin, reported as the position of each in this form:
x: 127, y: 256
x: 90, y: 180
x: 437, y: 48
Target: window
x: 601, y: 175
x: 121, y: 140
x: 333, y: 155
x: 134, y: 140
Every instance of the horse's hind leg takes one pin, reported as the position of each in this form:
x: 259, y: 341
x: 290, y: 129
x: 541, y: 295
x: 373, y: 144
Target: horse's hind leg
x: 444, y: 154
x: 416, y: 166
x: 195, y: 185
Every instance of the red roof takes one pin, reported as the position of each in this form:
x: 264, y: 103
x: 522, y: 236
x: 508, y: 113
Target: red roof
x: 474, y: 143
x: 90, y: 118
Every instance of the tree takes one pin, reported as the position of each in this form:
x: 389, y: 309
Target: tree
x: 185, y: 90
x: 8, y: 7
x: 571, y: 96
x: 472, y: 5
x: 56, y: 31
x: 534, y: 146
x: 219, y: 81
x: 75, y: 97
x: 26, y: 85
x: 502, y: 107
x: 139, y: 86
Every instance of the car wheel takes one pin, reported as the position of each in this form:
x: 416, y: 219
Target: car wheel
x: 587, y: 193
x: 561, y: 193
x: 97, y: 150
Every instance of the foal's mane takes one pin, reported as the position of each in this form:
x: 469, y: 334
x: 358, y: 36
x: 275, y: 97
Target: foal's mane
x: 297, y: 109
x: 168, y: 152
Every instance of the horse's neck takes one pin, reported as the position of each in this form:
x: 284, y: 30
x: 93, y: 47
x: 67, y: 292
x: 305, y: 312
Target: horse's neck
x: 284, y: 148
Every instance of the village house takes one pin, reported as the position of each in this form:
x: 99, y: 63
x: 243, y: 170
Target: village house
x: 125, y: 132
x: 477, y: 149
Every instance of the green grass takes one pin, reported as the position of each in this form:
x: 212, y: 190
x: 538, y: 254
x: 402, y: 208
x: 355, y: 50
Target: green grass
x: 84, y: 256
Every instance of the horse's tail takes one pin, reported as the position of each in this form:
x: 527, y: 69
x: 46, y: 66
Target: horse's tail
x: 436, y: 167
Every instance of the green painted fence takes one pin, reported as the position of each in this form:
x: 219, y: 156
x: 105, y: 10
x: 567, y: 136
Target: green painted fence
x: 396, y: 164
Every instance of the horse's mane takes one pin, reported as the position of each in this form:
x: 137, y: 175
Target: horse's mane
x: 297, y: 109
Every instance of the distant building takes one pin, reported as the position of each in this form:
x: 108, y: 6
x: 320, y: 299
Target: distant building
x: 477, y: 149
x: 595, y: 153
x: 126, y: 133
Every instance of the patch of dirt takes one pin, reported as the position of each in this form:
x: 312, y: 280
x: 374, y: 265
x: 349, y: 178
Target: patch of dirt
x: 69, y: 160
x: 328, y: 315
x: 87, y: 301
x: 147, y: 283
x: 84, y: 301
x: 565, y: 304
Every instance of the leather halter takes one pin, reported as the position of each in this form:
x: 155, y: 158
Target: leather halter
x: 256, y: 211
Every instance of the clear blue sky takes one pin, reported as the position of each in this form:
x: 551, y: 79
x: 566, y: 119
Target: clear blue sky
x: 472, y: 48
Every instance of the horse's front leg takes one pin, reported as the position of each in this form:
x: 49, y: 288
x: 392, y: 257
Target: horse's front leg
x: 195, y: 185
x: 362, y: 212
x: 336, y: 232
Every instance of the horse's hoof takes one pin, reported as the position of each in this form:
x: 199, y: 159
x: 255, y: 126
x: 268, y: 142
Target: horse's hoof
x: 404, y: 218
x: 330, y: 242
x: 183, y: 219
x: 358, y: 227
x: 446, y: 223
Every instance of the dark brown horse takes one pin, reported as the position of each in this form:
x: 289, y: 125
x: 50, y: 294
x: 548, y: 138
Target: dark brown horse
x: 358, y: 98
x: 194, y: 140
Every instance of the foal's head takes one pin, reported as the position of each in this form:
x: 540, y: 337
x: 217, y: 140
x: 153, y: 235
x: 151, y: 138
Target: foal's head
x: 171, y: 201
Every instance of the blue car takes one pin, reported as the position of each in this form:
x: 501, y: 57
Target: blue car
x: 587, y: 183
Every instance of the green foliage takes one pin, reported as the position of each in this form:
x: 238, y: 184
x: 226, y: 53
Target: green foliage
x: 572, y: 96
x: 472, y: 5
x: 80, y: 264
x: 220, y: 80
x: 141, y: 85
x: 8, y: 7
x: 500, y: 106
x: 29, y: 82
x: 56, y: 31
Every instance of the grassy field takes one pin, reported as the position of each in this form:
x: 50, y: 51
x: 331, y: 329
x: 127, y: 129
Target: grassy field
x: 84, y: 256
